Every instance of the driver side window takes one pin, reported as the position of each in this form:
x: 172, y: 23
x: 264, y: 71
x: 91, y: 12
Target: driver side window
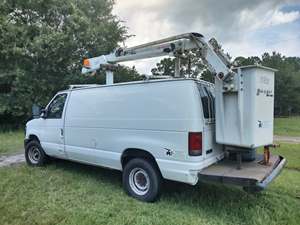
x: 56, y: 107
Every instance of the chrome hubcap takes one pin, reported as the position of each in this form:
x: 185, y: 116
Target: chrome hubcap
x: 34, y: 155
x: 139, y: 181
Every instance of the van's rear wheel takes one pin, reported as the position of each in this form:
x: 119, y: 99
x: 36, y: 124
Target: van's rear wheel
x: 34, y: 154
x: 142, y: 180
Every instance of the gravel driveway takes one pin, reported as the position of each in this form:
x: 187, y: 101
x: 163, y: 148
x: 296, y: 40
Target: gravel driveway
x: 10, y: 160
x: 287, y: 139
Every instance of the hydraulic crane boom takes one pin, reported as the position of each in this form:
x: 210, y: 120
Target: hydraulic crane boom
x: 176, y: 46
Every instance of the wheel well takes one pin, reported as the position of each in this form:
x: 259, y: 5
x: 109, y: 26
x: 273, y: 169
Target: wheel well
x: 132, y: 153
x: 31, y: 138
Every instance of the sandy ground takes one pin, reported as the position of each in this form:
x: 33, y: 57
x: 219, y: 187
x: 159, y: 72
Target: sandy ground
x: 19, y: 158
x: 10, y: 160
x: 287, y: 139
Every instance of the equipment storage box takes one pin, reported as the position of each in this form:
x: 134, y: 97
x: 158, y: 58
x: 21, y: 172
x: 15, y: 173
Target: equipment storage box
x: 245, y: 117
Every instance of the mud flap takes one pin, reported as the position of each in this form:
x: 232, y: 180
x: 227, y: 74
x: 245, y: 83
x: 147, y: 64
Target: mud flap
x: 252, y: 174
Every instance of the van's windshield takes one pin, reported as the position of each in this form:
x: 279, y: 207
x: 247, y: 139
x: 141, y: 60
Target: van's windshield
x: 208, y: 101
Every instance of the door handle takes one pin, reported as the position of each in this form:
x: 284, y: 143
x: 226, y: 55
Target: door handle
x: 61, y: 132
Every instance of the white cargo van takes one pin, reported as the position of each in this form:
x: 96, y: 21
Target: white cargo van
x: 150, y: 130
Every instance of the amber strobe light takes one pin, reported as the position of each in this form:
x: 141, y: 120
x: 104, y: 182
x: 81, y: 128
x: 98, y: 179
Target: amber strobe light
x: 195, y: 143
x: 86, y: 63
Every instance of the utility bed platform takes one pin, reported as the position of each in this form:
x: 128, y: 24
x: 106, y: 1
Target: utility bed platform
x: 252, y: 174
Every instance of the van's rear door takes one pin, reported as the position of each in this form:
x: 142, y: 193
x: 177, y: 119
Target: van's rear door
x: 208, y: 108
x: 208, y: 140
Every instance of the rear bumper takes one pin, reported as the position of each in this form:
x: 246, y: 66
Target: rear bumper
x: 253, y: 174
x: 276, y: 171
x: 186, y: 172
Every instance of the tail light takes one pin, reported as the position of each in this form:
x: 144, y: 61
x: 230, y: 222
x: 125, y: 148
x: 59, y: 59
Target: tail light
x: 195, y: 143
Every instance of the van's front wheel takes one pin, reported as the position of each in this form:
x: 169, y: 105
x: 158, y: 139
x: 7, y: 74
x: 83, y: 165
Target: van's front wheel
x: 34, y: 154
x: 142, y: 180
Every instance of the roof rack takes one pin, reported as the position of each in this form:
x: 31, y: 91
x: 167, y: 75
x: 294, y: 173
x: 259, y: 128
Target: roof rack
x: 74, y: 86
x: 158, y: 77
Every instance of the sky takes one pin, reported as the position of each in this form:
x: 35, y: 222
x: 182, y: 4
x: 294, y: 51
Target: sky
x: 242, y: 27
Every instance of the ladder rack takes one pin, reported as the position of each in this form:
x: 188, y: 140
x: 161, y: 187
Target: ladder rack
x: 74, y: 86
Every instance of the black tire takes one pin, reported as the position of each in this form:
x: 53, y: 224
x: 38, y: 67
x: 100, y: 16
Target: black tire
x: 135, y: 172
x: 34, y: 154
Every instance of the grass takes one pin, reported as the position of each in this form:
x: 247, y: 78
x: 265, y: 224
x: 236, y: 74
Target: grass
x: 291, y: 152
x: 11, y: 142
x: 69, y: 193
x: 287, y: 126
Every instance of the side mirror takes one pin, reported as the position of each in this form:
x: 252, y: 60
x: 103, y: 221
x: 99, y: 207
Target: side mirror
x: 36, y: 111
x: 44, y: 113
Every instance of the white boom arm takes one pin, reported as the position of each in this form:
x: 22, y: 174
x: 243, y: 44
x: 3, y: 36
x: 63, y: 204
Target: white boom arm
x: 212, y: 56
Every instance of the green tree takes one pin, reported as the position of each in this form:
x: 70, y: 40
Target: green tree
x: 253, y: 60
x: 42, y: 44
x: 165, y: 67
x: 192, y: 66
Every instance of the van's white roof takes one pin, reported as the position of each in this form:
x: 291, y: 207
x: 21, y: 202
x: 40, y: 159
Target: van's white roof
x: 138, y: 82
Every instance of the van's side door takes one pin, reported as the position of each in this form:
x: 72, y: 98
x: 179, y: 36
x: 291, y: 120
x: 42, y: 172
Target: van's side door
x: 52, y: 130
